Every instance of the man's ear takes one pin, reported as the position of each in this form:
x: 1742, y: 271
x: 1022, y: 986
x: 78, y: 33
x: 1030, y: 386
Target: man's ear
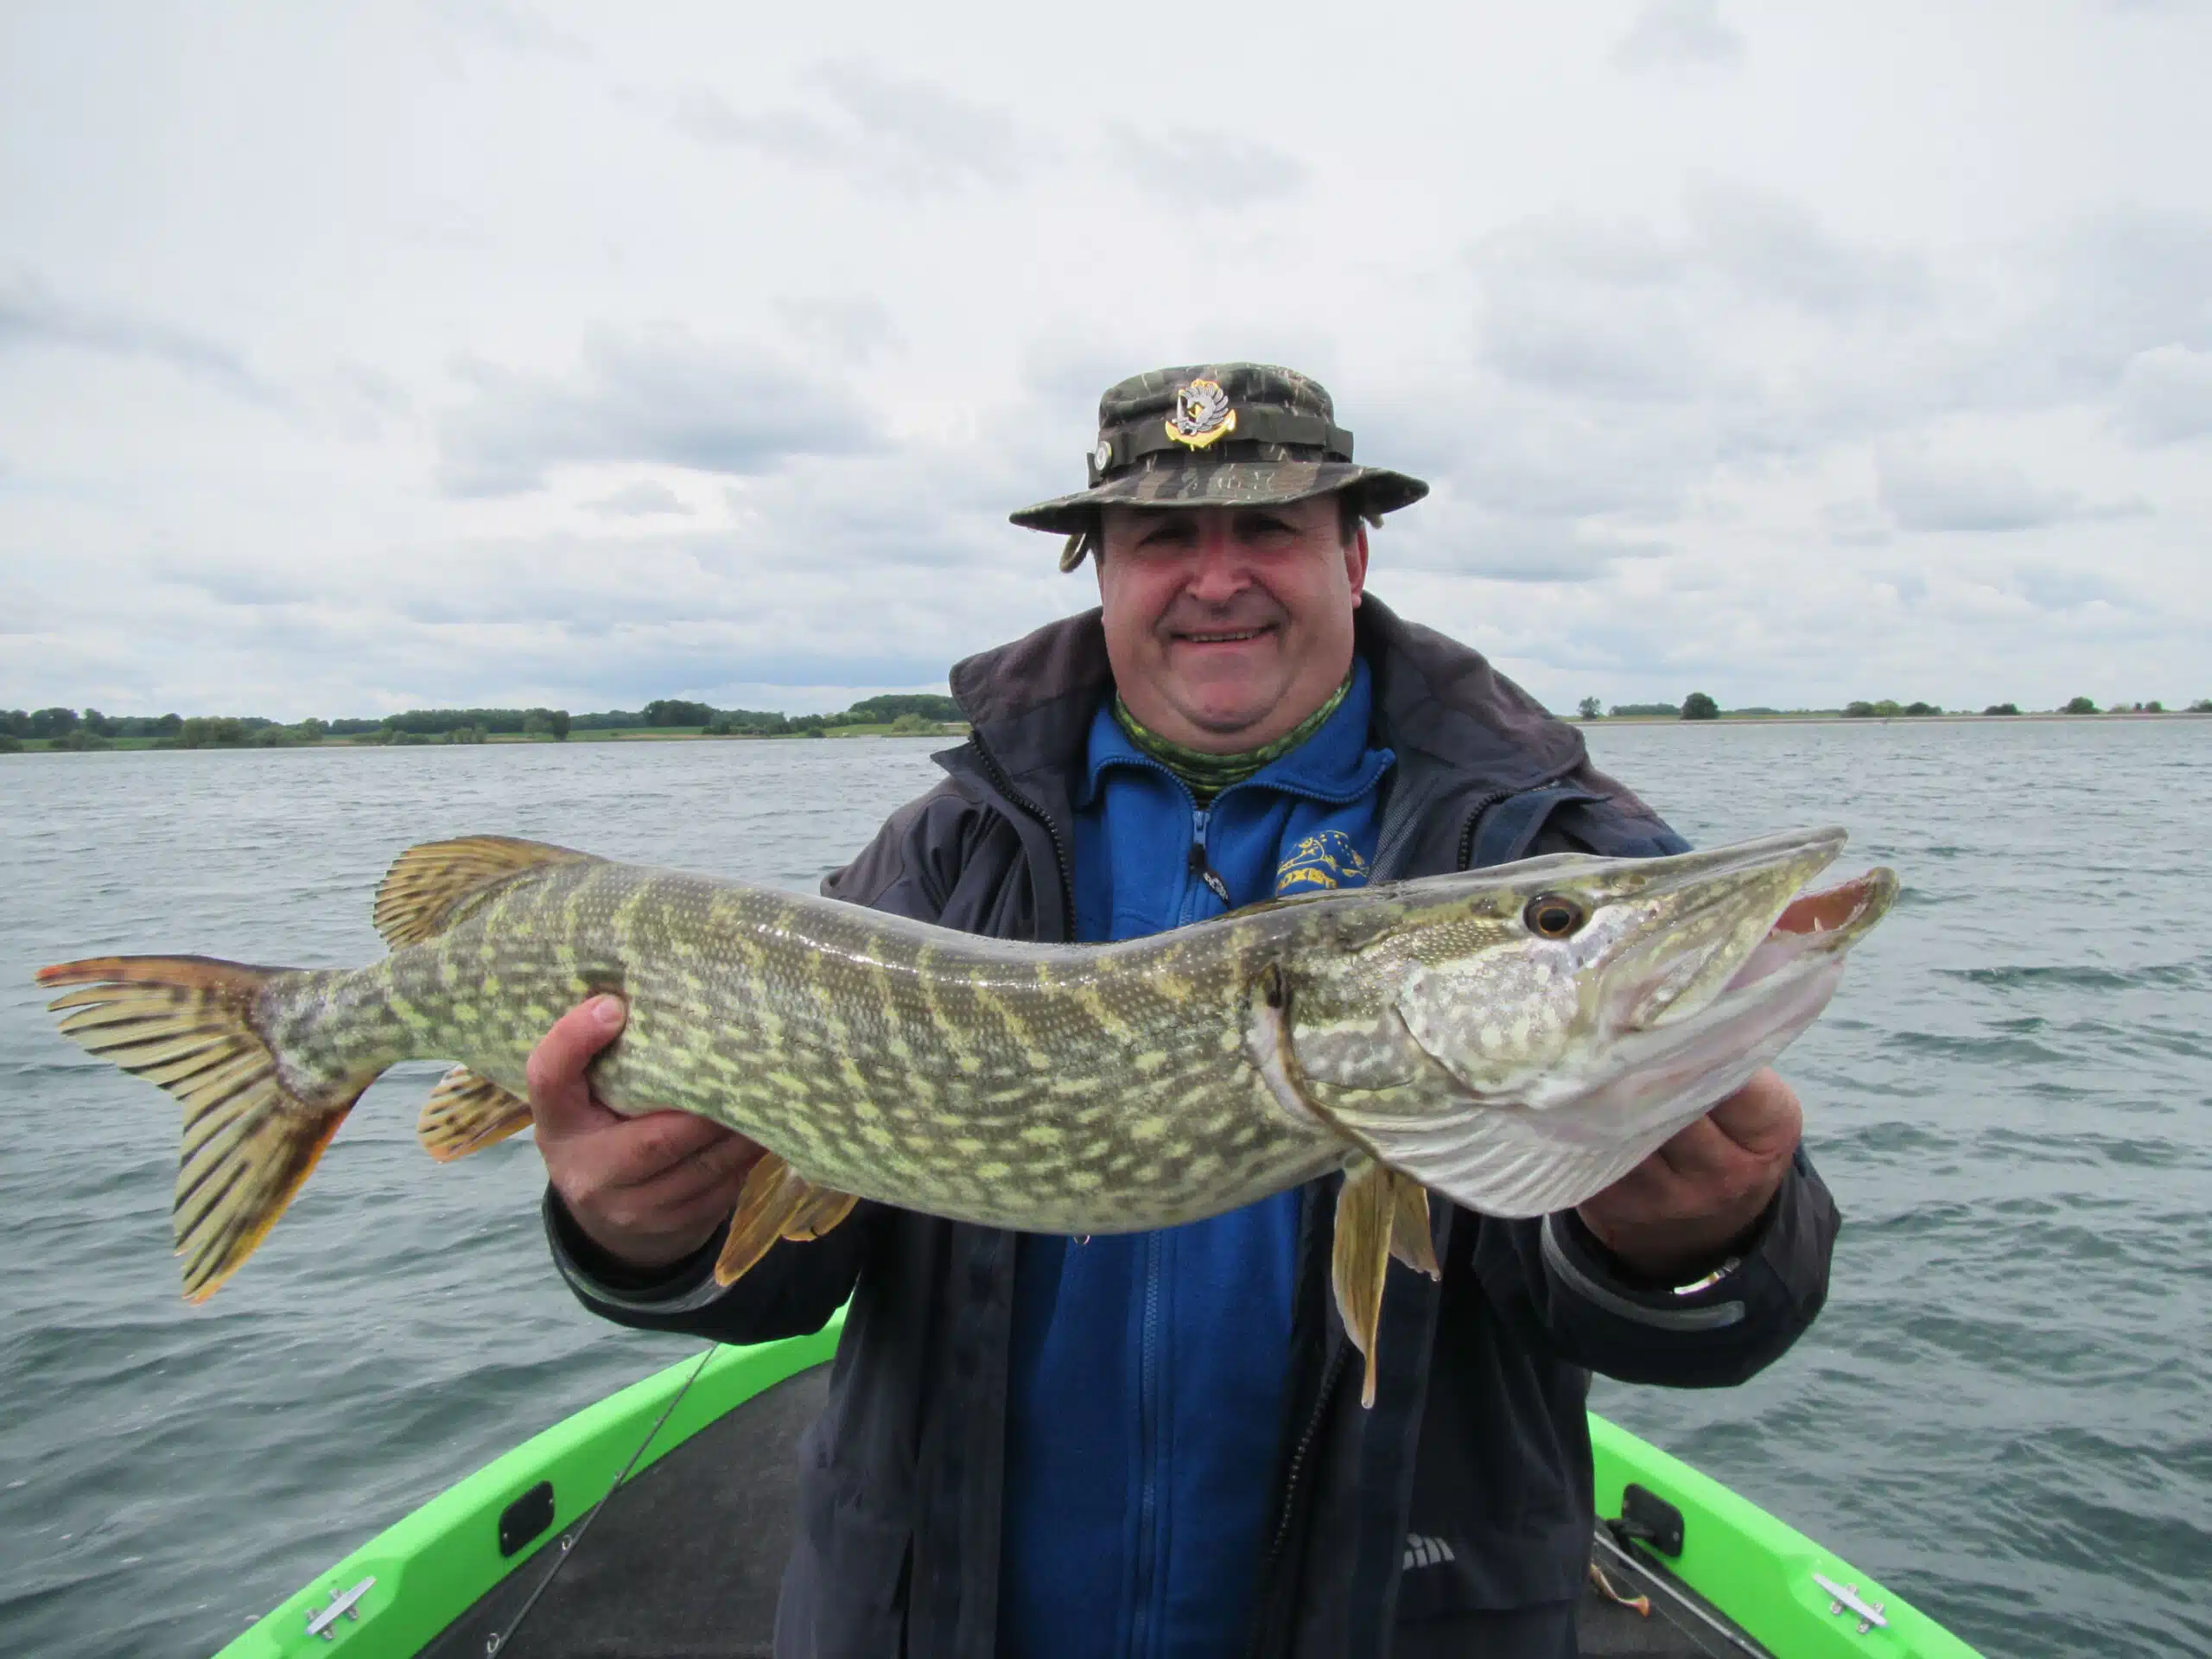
x: 1356, y: 564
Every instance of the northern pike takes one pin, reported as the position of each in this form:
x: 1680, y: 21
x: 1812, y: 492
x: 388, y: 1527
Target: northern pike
x: 1513, y: 1039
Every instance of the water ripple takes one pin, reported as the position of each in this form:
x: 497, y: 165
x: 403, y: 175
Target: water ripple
x: 2002, y: 1412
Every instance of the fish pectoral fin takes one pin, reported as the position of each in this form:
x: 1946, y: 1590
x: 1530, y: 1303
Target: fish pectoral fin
x: 466, y: 1113
x: 431, y: 887
x: 1360, y: 1260
x: 777, y: 1202
x: 1411, y: 1242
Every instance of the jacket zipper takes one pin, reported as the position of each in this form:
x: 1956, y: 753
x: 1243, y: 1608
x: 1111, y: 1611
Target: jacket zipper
x: 1474, y: 817
x: 1060, y: 855
x: 1200, y: 864
x: 1147, y: 1454
x: 1294, y: 1477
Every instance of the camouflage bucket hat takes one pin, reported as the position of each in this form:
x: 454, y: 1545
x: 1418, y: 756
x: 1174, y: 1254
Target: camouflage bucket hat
x: 1230, y: 435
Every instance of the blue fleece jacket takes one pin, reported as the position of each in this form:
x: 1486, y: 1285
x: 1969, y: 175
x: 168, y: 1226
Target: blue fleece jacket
x: 1145, y: 1402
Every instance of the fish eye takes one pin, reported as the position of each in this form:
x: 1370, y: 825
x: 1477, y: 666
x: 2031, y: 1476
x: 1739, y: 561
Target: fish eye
x: 1555, y: 916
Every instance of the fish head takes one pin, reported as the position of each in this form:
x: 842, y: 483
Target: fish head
x: 1581, y: 1008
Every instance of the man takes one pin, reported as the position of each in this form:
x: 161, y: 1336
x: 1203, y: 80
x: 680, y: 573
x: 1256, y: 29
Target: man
x: 1154, y: 1444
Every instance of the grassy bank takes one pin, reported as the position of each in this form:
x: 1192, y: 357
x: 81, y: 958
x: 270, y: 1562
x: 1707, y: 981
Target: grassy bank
x: 614, y: 734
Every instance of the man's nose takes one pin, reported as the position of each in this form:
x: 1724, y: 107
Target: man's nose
x: 1221, y: 571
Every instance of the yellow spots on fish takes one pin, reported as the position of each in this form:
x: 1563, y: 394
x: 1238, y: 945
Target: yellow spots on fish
x: 1151, y: 1060
x: 968, y: 1144
x: 1044, y: 1135
x: 876, y: 1135
x: 970, y: 1065
x: 1150, y: 1129
x: 995, y: 1171
x: 865, y: 1110
x: 1102, y: 1011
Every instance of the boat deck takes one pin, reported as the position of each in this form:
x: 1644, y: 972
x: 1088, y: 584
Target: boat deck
x: 684, y: 1563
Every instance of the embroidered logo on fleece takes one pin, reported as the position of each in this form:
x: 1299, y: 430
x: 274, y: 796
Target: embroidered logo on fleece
x: 1320, y: 863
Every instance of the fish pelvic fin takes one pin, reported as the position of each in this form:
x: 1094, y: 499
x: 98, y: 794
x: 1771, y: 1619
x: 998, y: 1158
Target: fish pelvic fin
x: 466, y: 1113
x: 252, y: 1128
x: 1379, y: 1214
x: 431, y: 887
x: 1411, y: 1242
x: 775, y: 1202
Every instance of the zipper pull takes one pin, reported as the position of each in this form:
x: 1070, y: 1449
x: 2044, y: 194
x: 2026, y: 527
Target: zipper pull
x: 1200, y: 868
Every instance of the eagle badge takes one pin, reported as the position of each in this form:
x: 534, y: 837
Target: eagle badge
x: 1202, y: 415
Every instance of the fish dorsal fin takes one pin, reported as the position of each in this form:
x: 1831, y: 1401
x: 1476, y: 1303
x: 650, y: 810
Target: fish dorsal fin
x: 431, y: 887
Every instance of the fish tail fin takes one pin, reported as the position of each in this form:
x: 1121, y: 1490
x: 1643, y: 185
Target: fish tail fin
x: 253, y: 1124
x: 466, y: 1113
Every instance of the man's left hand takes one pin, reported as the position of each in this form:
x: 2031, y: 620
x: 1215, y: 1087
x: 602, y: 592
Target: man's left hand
x: 1676, y: 1214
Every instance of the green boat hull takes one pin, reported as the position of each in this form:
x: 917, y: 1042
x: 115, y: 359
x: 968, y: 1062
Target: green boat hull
x: 1740, y: 1571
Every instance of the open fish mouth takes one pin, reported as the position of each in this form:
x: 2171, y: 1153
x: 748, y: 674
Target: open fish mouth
x: 1817, y: 924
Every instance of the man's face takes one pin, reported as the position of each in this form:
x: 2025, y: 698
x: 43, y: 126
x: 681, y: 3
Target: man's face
x: 1228, y: 626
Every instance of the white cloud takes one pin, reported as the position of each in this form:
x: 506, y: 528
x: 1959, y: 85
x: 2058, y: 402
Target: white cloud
x: 644, y: 498
x: 622, y: 359
x: 2165, y: 395
x: 663, y: 396
x: 1927, y: 493
x: 1670, y: 34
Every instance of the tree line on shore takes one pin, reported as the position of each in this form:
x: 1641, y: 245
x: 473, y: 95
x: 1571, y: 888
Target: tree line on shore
x: 1699, y: 705
x: 71, y: 728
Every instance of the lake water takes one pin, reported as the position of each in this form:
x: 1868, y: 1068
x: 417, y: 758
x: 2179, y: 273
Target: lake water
x: 2005, y: 1412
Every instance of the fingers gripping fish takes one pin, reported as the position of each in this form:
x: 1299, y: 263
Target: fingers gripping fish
x: 1512, y: 1039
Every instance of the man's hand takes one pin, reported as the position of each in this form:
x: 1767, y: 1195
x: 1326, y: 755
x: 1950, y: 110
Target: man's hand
x: 1676, y: 1213
x: 649, y: 1190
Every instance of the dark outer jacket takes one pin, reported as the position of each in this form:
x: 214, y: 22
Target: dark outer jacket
x: 1477, y: 1437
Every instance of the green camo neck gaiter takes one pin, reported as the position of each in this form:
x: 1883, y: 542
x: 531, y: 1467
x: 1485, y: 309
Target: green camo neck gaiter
x: 1207, y: 775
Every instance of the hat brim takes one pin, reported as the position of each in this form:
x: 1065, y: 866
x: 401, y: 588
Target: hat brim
x: 1224, y: 483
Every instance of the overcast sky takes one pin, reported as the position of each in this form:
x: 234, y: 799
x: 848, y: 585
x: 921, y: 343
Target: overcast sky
x: 358, y: 359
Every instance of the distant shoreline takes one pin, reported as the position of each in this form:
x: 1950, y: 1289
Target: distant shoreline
x: 620, y: 734
x: 2048, y: 717
x: 682, y: 735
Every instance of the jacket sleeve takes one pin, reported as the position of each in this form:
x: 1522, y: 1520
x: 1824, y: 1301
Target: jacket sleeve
x: 1553, y: 1282
x: 1562, y: 1289
x: 794, y: 1289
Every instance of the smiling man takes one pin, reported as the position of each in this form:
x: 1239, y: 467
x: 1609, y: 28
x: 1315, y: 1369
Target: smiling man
x: 1149, y: 1444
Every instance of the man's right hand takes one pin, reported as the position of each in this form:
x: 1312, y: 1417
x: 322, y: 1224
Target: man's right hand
x: 649, y: 1190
